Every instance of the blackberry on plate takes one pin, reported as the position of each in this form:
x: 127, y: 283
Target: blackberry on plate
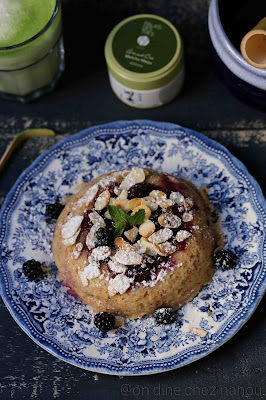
x: 54, y: 210
x: 225, y: 259
x: 104, y: 321
x: 165, y: 315
x: 32, y: 269
x: 104, y: 237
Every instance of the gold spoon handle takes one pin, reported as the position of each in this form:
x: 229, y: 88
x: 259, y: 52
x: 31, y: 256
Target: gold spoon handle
x: 19, y: 138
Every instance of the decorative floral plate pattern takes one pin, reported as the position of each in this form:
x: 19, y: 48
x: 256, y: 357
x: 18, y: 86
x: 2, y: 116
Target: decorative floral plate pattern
x: 62, y: 325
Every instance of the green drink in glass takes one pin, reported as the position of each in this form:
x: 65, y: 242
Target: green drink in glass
x: 31, y: 48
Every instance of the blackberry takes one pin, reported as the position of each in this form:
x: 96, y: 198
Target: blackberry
x: 140, y: 190
x: 225, y: 259
x: 104, y: 237
x: 54, y: 210
x: 141, y: 273
x: 154, y: 217
x: 104, y: 321
x: 32, y: 269
x: 165, y: 316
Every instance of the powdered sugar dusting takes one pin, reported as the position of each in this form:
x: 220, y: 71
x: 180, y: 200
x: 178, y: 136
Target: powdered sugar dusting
x: 119, y: 284
x: 101, y: 253
x: 91, y: 271
x: 117, y: 267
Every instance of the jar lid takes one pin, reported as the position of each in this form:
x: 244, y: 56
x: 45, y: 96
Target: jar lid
x: 144, y: 52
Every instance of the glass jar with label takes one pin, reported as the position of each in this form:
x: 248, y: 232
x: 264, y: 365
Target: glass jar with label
x: 31, y: 48
x: 144, y: 56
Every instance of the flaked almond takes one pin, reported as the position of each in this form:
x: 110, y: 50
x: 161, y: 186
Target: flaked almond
x: 169, y: 220
x: 198, y: 331
x: 182, y: 235
x: 132, y: 234
x: 177, y: 197
x: 112, y: 199
x: 123, y: 195
x: 90, y: 238
x: 117, y: 191
x: 145, y: 208
x: 188, y: 203
x: 72, y: 240
x: 158, y: 195
x: 120, y: 243
x: 136, y: 175
x: 150, y: 202
x: 134, y: 203
x: 161, y: 236
x: 187, y: 216
x: 71, y: 227
x: 102, y: 200
x: 128, y: 257
x: 122, y: 204
x: 164, y: 249
x: 107, y: 215
x: 77, y: 251
x: 89, y: 195
x: 146, y: 228
x: 96, y: 219
x: 165, y: 203
x: 146, y: 247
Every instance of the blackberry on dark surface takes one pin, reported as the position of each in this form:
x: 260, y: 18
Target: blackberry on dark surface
x: 104, y: 237
x: 141, y: 190
x: 32, y: 269
x: 104, y: 321
x: 165, y: 316
x: 54, y: 210
x: 225, y: 259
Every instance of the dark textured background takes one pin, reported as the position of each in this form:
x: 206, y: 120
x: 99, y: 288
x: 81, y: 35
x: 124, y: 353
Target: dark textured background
x: 83, y: 98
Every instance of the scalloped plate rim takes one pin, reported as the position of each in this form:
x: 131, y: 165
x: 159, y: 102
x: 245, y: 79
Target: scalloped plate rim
x: 130, y: 125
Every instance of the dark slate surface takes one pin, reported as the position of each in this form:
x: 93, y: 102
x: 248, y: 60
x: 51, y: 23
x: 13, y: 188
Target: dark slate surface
x: 84, y: 98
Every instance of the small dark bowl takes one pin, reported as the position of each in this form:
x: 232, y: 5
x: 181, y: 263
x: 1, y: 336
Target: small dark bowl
x: 246, y: 82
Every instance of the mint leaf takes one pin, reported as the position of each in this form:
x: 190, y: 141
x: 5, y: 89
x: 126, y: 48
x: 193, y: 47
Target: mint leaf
x: 122, y: 219
x: 137, y: 218
x: 119, y: 229
x: 117, y: 214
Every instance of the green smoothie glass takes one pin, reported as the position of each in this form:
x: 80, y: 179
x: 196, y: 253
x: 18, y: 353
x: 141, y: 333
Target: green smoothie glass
x: 31, y: 48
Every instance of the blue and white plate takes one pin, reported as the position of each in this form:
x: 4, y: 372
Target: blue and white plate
x: 61, y: 324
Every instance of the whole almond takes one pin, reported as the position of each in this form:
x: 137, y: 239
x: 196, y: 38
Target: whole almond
x: 146, y: 228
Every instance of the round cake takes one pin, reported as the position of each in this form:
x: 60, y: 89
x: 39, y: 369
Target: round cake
x: 135, y: 240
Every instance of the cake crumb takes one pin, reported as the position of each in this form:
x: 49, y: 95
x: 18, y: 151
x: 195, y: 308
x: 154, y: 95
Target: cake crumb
x: 198, y: 331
